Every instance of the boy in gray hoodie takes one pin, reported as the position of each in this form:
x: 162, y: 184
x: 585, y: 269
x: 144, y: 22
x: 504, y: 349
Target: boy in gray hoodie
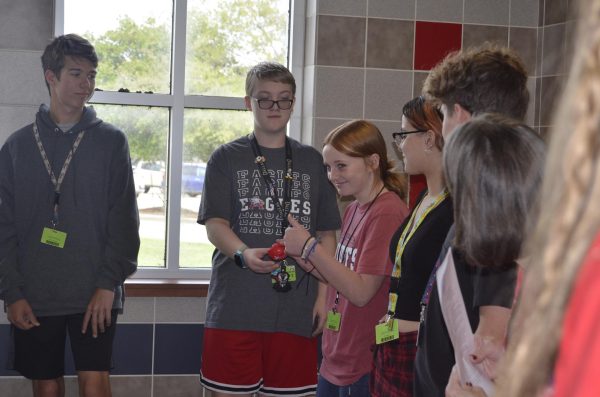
x: 68, y: 228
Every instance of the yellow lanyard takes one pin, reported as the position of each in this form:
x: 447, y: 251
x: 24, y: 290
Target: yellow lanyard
x: 407, y: 233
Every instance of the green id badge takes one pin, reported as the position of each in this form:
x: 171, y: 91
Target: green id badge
x: 54, y: 237
x: 333, y: 320
x: 385, y: 333
x: 291, y: 269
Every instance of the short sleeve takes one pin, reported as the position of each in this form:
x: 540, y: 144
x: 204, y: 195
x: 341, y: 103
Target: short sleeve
x: 495, y: 287
x: 216, y: 195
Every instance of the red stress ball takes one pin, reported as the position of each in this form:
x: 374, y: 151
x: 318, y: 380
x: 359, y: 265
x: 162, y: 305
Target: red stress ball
x: 277, y: 252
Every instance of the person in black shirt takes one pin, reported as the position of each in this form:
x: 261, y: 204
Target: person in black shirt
x: 493, y: 168
x: 414, y: 247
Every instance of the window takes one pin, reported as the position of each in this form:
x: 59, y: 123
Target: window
x: 171, y: 76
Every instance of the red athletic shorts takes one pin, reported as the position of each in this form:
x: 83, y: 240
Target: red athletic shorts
x: 272, y: 363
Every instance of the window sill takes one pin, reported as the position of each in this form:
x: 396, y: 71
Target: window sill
x: 166, y: 288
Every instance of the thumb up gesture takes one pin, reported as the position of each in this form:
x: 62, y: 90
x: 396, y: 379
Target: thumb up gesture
x: 295, y: 237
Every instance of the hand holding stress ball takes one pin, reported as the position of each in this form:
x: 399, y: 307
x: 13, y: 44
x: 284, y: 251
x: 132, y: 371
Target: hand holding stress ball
x: 277, y: 252
x: 280, y: 277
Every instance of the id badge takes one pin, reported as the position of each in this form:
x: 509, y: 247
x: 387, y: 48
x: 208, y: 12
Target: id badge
x: 291, y: 271
x: 333, y: 321
x: 53, y: 237
x: 387, y: 331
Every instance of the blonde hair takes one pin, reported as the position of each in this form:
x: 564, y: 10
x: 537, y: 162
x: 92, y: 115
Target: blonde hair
x: 360, y: 138
x: 568, y: 221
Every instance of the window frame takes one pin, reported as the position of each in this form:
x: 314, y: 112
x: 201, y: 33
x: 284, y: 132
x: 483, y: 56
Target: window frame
x: 177, y: 101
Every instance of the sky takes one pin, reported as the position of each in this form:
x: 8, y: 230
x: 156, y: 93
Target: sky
x: 98, y: 17
x: 90, y: 16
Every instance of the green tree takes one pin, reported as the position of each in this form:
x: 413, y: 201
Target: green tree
x: 146, y: 129
x: 223, y: 41
x: 205, y: 130
x: 136, y: 57
x: 256, y: 30
x: 210, y: 66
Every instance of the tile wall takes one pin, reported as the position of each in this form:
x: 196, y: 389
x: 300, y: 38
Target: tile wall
x: 371, y: 56
x: 554, y: 55
x: 25, y: 28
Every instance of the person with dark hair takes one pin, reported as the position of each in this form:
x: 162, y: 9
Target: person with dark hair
x: 414, y: 247
x: 355, y: 156
x: 260, y: 328
x: 493, y: 167
x: 467, y: 83
x: 68, y: 228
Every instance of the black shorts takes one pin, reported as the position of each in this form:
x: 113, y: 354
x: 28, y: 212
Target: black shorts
x: 39, y: 353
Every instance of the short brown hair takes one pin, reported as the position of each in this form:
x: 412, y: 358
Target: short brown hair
x: 72, y: 45
x: 487, y: 79
x: 493, y: 166
x: 271, y: 71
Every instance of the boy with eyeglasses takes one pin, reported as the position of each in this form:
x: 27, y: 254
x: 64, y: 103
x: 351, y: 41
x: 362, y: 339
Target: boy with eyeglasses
x: 263, y: 312
x: 68, y: 229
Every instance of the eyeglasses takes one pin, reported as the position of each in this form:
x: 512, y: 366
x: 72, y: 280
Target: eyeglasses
x: 266, y: 104
x: 401, y: 136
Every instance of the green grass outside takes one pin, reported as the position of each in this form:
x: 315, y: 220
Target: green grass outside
x: 191, y: 255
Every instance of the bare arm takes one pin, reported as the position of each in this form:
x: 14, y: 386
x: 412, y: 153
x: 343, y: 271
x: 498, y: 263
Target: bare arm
x: 357, y: 288
x: 490, y: 337
x: 221, y: 236
x: 328, y: 241
x: 493, y: 323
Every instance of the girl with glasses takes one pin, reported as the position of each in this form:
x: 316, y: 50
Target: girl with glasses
x: 413, y: 249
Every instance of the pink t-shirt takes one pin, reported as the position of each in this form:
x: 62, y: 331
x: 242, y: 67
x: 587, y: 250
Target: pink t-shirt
x: 347, y: 354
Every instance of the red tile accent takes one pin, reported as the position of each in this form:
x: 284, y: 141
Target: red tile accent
x: 433, y: 41
x: 416, y: 185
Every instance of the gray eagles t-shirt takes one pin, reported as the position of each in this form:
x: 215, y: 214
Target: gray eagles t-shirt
x: 235, y: 190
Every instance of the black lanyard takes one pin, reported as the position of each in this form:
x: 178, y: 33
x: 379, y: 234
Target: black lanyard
x: 272, y: 191
x: 56, y: 182
x: 343, y: 256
